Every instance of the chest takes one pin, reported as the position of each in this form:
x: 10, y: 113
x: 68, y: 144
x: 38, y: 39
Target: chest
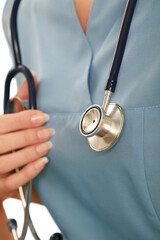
x: 83, y: 8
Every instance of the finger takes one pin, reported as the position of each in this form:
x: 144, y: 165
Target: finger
x: 24, y: 156
x: 22, y: 120
x: 15, y: 180
x: 20, y: 139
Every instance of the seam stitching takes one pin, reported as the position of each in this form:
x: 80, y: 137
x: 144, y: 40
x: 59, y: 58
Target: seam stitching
x: 143, y: 107
x: 125, y: 109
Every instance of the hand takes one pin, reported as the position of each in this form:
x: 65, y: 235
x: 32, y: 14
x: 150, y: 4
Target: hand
x: 23, y: 133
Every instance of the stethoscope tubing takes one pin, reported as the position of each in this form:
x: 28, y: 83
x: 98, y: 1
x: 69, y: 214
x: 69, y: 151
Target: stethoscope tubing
x: 120, y: 46
x: 31, y: 86
x: 14, y: 33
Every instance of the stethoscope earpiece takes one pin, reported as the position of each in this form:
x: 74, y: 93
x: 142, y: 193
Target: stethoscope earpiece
x: 56, y: 236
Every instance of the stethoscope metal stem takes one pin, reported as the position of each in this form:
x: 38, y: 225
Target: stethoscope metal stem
x: 106, y: 100
x: 15, y: 235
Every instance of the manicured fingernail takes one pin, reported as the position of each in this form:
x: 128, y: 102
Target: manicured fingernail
x: 44, y: 147
x: 46, y: 117
x: 50, y: 144
x: 40, y: 118
x: 33, y: 72
x: 46, y: 132
x: 52, y: 130
x: 41, y: 162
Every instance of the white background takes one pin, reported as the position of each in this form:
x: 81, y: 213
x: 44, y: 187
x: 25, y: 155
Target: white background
x: 43, y: 222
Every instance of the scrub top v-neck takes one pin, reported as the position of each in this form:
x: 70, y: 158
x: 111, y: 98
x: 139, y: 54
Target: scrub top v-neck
x: 83, y: 16
x: 108, y: 195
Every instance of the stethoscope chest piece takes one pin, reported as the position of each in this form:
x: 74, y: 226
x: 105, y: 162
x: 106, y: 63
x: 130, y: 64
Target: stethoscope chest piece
x: 103, y: 125
x: 103, y: 129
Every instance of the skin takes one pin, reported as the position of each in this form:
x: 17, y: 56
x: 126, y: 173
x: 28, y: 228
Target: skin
x: 18, y: 132
x: 83, y: 8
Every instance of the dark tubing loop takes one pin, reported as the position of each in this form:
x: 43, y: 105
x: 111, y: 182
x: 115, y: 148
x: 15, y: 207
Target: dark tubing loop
x: 14, y: 33
x: 120, y: 47
x: 31, y: 86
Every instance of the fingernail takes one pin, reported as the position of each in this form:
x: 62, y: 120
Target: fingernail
x: 46, y: 132
x: 52, y: 130
x: 33, y: 73
x: 44, y: 147
x: 40, y: 118
x: 41, y: 162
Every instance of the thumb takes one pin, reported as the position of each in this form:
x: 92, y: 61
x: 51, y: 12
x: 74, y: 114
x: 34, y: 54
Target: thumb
x: 23, y: 93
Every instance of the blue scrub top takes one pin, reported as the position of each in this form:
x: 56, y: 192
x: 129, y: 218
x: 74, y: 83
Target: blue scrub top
x: 113, y: 195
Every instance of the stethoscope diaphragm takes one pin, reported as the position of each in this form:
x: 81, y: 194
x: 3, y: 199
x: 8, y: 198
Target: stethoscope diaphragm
x: 103, y: 129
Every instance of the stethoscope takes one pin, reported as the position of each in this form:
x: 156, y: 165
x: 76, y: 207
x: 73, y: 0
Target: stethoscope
x: 102, y: 125
x: 20, y: 68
